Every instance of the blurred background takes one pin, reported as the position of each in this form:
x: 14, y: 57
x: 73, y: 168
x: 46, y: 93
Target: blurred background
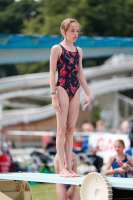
x: 28, y: 29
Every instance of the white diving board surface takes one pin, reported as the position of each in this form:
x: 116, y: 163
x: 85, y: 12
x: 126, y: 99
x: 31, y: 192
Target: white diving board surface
x: 55, y: 178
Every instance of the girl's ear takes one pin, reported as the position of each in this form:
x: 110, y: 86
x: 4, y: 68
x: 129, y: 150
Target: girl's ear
x: 63, y: 33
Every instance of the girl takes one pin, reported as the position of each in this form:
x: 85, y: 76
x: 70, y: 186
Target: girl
x: 66, y: 96
x: 120, y: 163
x: 66, y: 191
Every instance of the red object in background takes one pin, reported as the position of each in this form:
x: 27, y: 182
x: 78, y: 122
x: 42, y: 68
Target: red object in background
x: 77, y: 144
x: 4, y: 163
x: 120, y: 163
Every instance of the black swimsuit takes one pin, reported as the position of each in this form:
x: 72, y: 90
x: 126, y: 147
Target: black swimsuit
x: 116, y: 164
x: 67, y: 66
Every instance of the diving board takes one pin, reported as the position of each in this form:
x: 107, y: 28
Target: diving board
x: 41, y: 177
x: 55, y: 178
x: 94, y: 186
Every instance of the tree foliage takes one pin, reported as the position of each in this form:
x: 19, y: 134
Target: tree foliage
x: 97, y: 18
x: 13, y: 13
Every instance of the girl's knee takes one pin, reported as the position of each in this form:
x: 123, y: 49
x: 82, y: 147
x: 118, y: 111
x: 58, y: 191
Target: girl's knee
x: 70, y: 130
x: 61, y: 131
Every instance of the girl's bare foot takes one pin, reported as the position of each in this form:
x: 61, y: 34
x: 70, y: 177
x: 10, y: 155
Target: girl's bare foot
x: 65, y: 173
x: 74, y: 173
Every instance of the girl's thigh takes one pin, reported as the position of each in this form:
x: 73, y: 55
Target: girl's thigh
x: 61, y: 191
x: 64, y: 104
x: 73, y: 110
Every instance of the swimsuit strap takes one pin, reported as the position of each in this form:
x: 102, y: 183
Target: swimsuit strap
x: 125, y: 159
x: 67, y: 50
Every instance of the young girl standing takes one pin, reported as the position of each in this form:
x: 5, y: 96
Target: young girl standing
x: 66, y: 94
x: 120, y: 163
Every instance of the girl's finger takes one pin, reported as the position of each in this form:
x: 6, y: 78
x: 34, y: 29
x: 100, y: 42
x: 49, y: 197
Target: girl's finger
x: 84, y: 107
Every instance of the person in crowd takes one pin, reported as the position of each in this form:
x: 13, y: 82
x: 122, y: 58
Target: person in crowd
x: 51, y: 146
x: 124, y: 126
x: 120, y: 164
x: 63, y: 191
x: 91, y: 152
x: 45, y: 141
x: 130, y: 135
x: 4, y: 162
x: 67, y: 58
x: 100, y: 126
x: 87, y: 127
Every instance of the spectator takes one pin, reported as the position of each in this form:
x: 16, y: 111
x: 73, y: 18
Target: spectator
x: 100, y: 126
x: 45, y: 141
x: 7, y: 152
x: 93, y: 159
x: 51, y: 146
x: 124, y: 126
x: 130, y: 135
x: 96, y: 160
x: 120, y: 163
x: 87, y: 127
x: 66, y: 191
x: 4, y: 163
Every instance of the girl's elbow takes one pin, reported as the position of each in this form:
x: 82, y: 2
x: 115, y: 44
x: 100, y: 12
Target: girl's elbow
x: 106, y: 172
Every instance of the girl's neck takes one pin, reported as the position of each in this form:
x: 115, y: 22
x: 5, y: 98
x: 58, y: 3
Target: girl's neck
x: 120, y: 156
x: 67, y: 43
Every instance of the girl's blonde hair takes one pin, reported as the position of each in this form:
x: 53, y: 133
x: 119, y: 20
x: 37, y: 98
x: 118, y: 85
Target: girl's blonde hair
x: 66, y: 23
x: 120, y: 141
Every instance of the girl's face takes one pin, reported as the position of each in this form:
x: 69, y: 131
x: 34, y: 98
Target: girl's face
x: 72, y: 32
x: 119, y: 147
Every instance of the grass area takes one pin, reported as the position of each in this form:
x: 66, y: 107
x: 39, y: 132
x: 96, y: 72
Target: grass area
x: 44, y: 191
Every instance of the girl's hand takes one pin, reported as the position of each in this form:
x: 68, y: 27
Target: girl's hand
x: 128, y: 167
x: 125, y: 166
x: 87, y: 102
x: 69, y: 192
x: 55, y: 103
x: 120, y: 170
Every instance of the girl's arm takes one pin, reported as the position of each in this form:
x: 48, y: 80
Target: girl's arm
x: 109, y: 171
x: 55, y: 53
x: 83, y: 81
x: 130, y: 165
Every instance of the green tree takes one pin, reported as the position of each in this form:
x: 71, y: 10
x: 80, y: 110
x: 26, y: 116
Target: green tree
x: 13, y: 13
x: 99, y: 17
x: 29, y: 68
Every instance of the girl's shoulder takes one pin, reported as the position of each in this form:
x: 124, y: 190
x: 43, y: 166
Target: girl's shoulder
x: 79, y: 49
x: 111, y: 158
x: 129, y: 158
x: 56, y: 47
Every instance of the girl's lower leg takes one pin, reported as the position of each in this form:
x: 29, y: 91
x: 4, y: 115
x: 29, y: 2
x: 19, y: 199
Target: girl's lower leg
x: 68, y: 154
x: 60, y: 152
